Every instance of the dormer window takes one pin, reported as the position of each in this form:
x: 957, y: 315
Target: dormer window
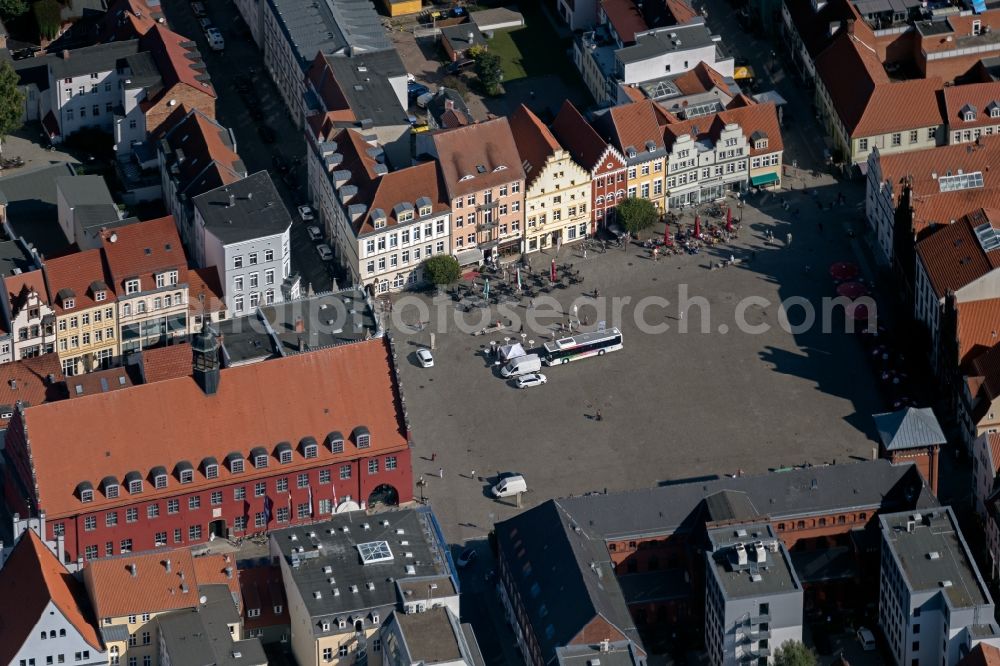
x: 100, y: 296
x: 379, y: 224
x: 235, y: 462
x: 259, y: 456
x: 210, y: 468
x: 362, y: 437
x: 133, y: 480
x: 405, y: 216
x: 375, y: 618
x: 159, y: 475
x: 185, y: 472
x: 309, y: 447
x: 631, y: 152
x: 968, y: 113
x: 69, y: 303
x: 760, y: 144
x: 131, y: 286
x: 85, y: 491
x: 341, y: 623
x: 336, y: 442
x: 467, y: 176
x: 284, y: 453
x: 110, y: 486
x: 994, y: 110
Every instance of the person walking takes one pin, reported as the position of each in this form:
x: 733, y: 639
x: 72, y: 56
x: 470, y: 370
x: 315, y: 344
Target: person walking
x: 788, y: 239
x: 440, y: 472
x: 472, y: 475
x: 599, y: 416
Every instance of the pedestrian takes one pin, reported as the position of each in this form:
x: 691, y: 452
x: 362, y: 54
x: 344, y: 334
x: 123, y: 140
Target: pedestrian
x: 788, y: 239
x: 680, y: 315
x: 440, y: 472
x: 598, y: 416
x: 472, y: 475
x: 433, y: 456
x: 584, y: 253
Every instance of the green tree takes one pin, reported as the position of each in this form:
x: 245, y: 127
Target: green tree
x: 489, y: 71
x: 11, y: 102
x: 794, y: 653
x: 637, y: 214
x: 48, y: 15
x: 11, y: 9
x: 442, y: 269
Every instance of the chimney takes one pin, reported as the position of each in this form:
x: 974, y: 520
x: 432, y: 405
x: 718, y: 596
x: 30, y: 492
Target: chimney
x: 205, y: 353
x: 471, y: 37
x: 232, y: 200
x: 741, y: 554
x: 850, y: 27
x: 302, y: 344
x: 300, y: 326
x: 13, y: 384
x: 229, y: 572
x: 167, y: 565
x: 132, y: 570
x: 449, y: 104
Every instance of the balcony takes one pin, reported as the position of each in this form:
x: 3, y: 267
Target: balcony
x: 488, y: 205
x: 487, y: 226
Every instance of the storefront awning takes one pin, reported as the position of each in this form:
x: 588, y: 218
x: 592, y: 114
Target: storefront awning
x: 469, y: 257
x: 764, y: 179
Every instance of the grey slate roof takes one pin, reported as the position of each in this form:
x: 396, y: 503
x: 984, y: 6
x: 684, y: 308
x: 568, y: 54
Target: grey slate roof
x: 84, y: 191
x: 432, y: 636
x: 369, y: 93
x: 32, y: 209
x: 330, y: 26
x: 14, y: 255
x: 257, y: 210
x: 652, y: 44
x: 145, y: 73
x: 909, y: 428
x: 90, y: 59
x: 358, y: 587
x: 621, y: 653
x: 201, y: 637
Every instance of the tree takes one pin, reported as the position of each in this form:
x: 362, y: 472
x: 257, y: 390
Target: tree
x: 794, y: 653
x: 11, y: 9
x: 442, y: 269
x: 488, y: 69
x: 48, y: 15
x: 637, y: 214
x: 11, y: 102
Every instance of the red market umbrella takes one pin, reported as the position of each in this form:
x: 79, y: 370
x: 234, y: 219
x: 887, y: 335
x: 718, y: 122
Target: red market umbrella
x: 857, y: 311
x: 729, y: 220
x: 552, y: 273
x: 697, y: 226
x: 852, y: 290
x: 843, y: 271
x: 666, y: 233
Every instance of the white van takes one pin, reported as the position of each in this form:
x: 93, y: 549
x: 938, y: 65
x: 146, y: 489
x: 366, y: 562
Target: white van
x: 521, y: 365
x: 215, y: 39
x: 509, y: 486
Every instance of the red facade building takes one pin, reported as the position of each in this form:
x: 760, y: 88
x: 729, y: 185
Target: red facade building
x: 605, y: 164
x: 221, y: 452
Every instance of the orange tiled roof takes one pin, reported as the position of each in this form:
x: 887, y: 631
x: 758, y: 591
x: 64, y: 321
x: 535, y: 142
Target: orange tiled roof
x: 953, y: 257
x: 285, y: 400
x: 982, y: 655
x: 169, y: 362
x: 947, y: 207
x: 759, y: 118
x: 489, y: 145
x: 204, y: 291
x: 978, y: 327
x: 178, y: 64
x: 633, y: 93
x: 987, y: 366
x: 921, y: 168
x: 993, y: 439
x: 976, y: 97
x: 210, y: 160
x: 27, y: 380
x: 625, y: 17
x: 635, y: 125
x: 581, y: 139
x: 32, y: 577
x: 80, y: 277
x: 139, y: 250
x: 535, y: 143
x: 700, y: 79
x: 18, y: 287
x: 115, y: 592
x: 127, y: 19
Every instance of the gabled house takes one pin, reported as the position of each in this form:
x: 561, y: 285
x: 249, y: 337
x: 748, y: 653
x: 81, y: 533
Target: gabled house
x: 32, y: 319
x: 979, y: 410
x: 484, y: 180
x: 971, y: 111
x: 557, y: 189
x: 195, y: 155
x: 634, y: 130
x: 129, y: 19
x: 85, y: 207
x: 81, y: 293
x: 243, y: 231
x: 912, y: 435
x: 47, y: 618
x: 603, y: 162
x: 386, y: 223
x: 149, y: 274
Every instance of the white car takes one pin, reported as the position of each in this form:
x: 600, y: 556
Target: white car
x: 531, y: 379
x: 315, y: 233
x: 306, y: 213
x: 425, y: 358
x: 325, y: 253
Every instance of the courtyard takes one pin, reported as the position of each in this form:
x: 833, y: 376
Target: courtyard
x: 674, y: 405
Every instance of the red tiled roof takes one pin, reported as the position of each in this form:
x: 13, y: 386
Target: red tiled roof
x: 700, y: 79
x: 78, y: 273
x: 978, y: 327
x: 18, y: 287
x: 987, y: 366
x: 953, y: 256
x: 947, y: 207
x: 740, y: 101
x: 177, y: 63
x: 633, y: 93
x: 982, y: 655
x: 814, y: 28
x: 139, y: 250
x: 634, y: 125
x: 115, y: 592
x: 263, y: 404
x: 680, y: 10
x: 452, y: 118
x: 204, y: 291
x: 489, y: 145
x: 759, y: 118
x: 262, y: 590
x: 127, y: 19
x: 625, y: 17
x: 901, y: 105
x: 99, y: 381
x: 209, y: 158
x: 993, y: 439
x: 169, y: 362
x: 922, y: 168
x: 535, y: 143
x: 581, y: 139
x: 32, y: 577
x: 978, y: 97
x: 27, y: 380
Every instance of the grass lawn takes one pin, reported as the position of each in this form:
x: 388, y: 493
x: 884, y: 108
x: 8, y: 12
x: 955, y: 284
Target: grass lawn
x: 531, y: 50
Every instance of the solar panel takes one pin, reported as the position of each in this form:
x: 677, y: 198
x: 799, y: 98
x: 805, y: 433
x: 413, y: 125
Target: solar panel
x: 374, y: 552
x: 962, y: 181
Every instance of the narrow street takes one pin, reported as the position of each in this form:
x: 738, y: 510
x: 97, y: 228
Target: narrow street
x: 232, y: 112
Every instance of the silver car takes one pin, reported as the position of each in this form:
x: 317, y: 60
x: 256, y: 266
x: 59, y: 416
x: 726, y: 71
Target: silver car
x: 531, y: 379
x: 325, y: 253
x: 425, y: 358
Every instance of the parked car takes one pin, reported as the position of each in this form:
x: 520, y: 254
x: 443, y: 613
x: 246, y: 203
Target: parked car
x: 457, y: 12
x: 198, y: 9
x: 467, y: 557
x: 531, y: 379
x: 459, y: 65
x: 867, y: 639
x: 215, y: 40
x: 512, y: 485
x: 267, y: 133
x: 325, y: 253
x: 414, y: 89
x: 315, y: 233
x: 205, y: 23
x: 425, y: 358
x: 306, y: 213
